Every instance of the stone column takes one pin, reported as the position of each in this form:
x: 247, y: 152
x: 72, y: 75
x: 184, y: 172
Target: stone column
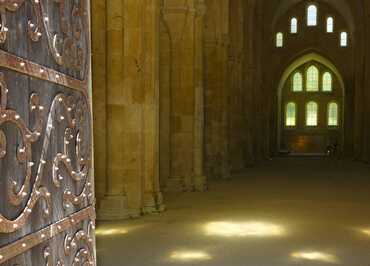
x: 217, y: 41
x: 249, y: 73
x: 153, y: 199
x: 141, y: 106
x: 185, y: 95
x: 114, y: 205
x: 165, y: 58
x: 199, y: 180
x: 176, y: 17
x: 134, y: 94
x: 237, y: 136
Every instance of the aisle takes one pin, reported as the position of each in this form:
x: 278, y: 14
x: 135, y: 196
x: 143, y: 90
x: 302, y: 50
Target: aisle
x: 285, y: 212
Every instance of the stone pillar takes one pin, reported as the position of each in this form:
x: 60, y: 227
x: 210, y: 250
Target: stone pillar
x: 165, y: 58
x: 237, y: 136
x: 250, y: 82
x: 133, y: 98
x: 153, y: 199
x: 217, y: 39
x: 114, y: 205
x: 199, y: 180
x: 141, y: 106
x: 186, y: 120
x: 132, y: 125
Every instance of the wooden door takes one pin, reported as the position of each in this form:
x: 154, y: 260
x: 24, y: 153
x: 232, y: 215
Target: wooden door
x: 46, y: 182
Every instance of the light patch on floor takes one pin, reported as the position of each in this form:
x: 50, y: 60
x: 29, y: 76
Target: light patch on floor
x: 365, y: 231
x: 116, y: 229
x: 290, y: 204
x: 111, y: 231
x: 244, y: 229
x: 188, y: 256
x: 315, y: 256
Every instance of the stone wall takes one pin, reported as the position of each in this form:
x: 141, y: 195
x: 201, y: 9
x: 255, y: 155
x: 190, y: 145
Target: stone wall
x: 313, y: 40
x: 181, y: 93
x: 225, y: 127
x: 237, y: 129
x: 126, y: 107
x: 159, y: 68
x: 148, y: 103
x: 187, y: 89
x: 362, y: 83
x: 257, y: 105
x: 216, y: 43
x: 265, y: 65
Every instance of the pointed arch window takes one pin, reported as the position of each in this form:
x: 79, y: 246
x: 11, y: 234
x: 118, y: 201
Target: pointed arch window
x: 312, y: 83
x: 330, y: 24
x: 333, y: 114
x: 312, y: 110
x: 291, y: 115
x: 294, y: 25
x: 327, y: 82
x: 312, y: 15
x: 279, y: 39
x: 297, y: 82
x: 343, y: 39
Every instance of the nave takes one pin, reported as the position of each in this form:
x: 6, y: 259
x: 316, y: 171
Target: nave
x: 287, y: 211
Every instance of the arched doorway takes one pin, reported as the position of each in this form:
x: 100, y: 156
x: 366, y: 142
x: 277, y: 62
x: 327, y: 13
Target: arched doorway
x: 311, y: 108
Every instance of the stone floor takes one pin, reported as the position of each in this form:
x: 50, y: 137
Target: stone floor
x: 302, y: 211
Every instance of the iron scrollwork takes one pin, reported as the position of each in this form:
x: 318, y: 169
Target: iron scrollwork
x: 79, y: 245
x: 66, y: 38
x: 62, y: 110
x: 33, y: 28
x: 49, y: 157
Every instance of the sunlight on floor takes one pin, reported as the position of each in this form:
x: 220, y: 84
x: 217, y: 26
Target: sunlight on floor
x: 187, y: 256
x: 315, y: 256
x: 245, y: 229
x: 293, y: 222
x: 107, y: 231
x: 116, y: 229
x: 365, y: 231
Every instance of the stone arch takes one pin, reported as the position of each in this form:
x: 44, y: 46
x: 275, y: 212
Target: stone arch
x: 313, y: 56
x: 301, y: 60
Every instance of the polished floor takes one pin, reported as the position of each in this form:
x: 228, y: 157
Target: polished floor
x: 288, y: 211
